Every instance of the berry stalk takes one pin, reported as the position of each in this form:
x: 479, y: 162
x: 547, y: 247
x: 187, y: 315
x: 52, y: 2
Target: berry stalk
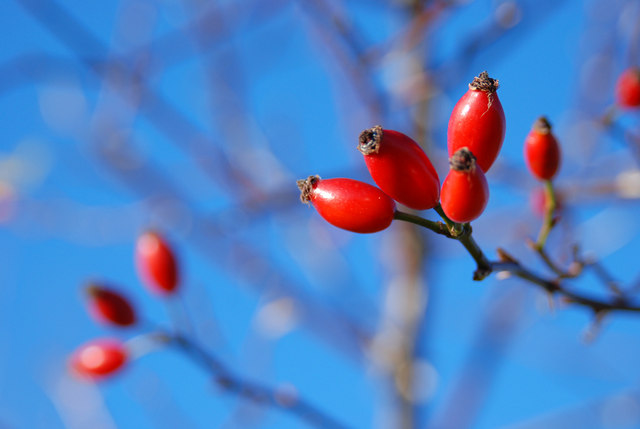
x: 548, y: 215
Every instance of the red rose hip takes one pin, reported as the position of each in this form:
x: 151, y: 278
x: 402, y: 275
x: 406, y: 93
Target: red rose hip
x: 348, y: 204
x: 465, y: 191
x: 477, y: 122
x: 400, y: 168
x: 628, y: 88
x: 109, y: 306
x: 99, y: 358
x: 156, y: 263
x: 541, y: 150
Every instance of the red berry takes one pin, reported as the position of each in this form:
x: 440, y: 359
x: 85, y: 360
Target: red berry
x: 465, y: 191
x: 156, y: 263
x: 628, y: 88
x: 99, y: 358
x: 400, y: 168
x: 541, y: 150
x: 348, y: 204
x: 477, y: 122
x: 109, y: 306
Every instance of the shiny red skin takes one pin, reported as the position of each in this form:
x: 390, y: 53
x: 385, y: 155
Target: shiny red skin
x: 628, y: 88
x: 156, y: 263
x: 477, y: 122
x: 464, y: 195
x: 352, y: 205
x: 99, y: 358
x: 109, y: 306
x: 542, y: 154
x: 404, y: 172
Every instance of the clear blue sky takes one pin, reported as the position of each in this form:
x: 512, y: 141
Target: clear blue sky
x: 267, y: 95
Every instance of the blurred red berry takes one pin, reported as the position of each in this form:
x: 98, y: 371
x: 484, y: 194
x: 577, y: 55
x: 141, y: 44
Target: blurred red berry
x: 348, y: 204
x: 465, y: 192
x: 109, y: 306
x: 99, y: 358
x: 628, y: 88
x: 400, y: 168
x: 477, y: 122
x: 156, y: 263
x: 541, y: 150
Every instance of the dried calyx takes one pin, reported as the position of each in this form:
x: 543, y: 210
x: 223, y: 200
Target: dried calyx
x: 483, y: 82
x: 369, y: 140
x: 462, y: 160
x: 306, y: 187
x: 93, y: 290
x: 542, y: 125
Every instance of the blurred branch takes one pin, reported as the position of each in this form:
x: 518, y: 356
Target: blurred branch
x: 628, y: 137
x: 409, y: 35
x: 242, y: 259
x: 619, y: 409
x: 496, y: 333
x: 511, y: 18
x: 27, y: 68
x: 167, y: 119
x: 216, y: 24
x: 347, y: 50
x: 175, y: 125
x: 248, y: 390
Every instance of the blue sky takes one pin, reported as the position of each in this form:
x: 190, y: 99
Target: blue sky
x: 208, y: 152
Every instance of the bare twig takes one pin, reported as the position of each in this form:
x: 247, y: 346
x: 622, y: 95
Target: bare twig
x: 249, y: 390
x: 550, y: 208
x: 509, y: 264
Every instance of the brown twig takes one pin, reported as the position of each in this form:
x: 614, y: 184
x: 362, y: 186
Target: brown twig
x: 577, y: 267
x: 339, y: 35
x: 509, y: 264
x: 411, y: 34
x: 249, y: 390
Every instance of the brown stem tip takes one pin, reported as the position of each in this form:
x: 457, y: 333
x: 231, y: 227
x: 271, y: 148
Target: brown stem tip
x: 306, y: 187
x: 369, y: 140
x: 462, y: 160
x: 92, y: 290
x: 542, y: 125
x: 483, y: 82
x: 505, y: 257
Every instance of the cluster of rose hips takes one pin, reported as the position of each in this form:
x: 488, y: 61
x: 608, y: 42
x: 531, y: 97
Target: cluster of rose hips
x: 404, y: 173
x: 158, y: 270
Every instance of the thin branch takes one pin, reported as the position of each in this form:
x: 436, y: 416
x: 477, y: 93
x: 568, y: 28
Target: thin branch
x: 343, y: 39
x: 249, y: 390
x: 577, y: 267
x: 550, y: 208
x: 409, y: 35
x: 555, y: 287
x: 437, y: 227
x: 453, y: 227
x: 510, y: 265
x: 605, y: 277
x: 338, y: 327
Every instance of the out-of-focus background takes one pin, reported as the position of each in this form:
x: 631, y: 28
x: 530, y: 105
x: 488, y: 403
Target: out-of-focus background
x: 195, y: 118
